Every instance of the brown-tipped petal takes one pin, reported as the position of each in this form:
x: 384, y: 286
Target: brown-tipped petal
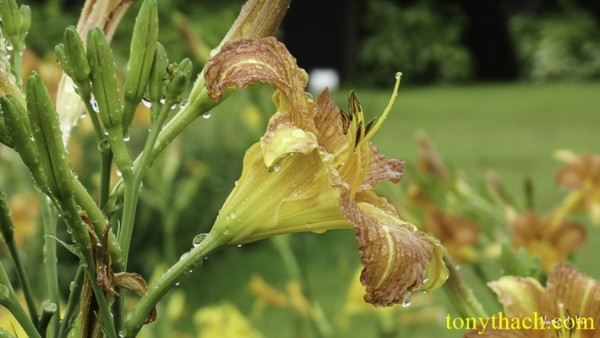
x: 380, y: 169
x: 328, y: 121
x: 246, y: 61
x: 397, y: 258
x: 577, y: 294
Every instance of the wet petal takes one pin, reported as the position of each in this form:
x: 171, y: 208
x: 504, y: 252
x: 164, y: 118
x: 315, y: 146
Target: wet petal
x: 380, y: 169
x: 397, y: 258
x: 521, y: 297
x: 284, y: 138
x: 245, y: 61
x: 576, y: 293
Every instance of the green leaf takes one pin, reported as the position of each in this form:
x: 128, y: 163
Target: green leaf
x: 518, y: 263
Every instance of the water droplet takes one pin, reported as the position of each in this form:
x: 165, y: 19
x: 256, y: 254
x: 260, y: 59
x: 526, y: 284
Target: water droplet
x: 198, y: 239
x: 232, y: 215
x: 425, y: 277
x: 173, y: 106
x: 94, y: 105
x: 406, y: 299
x: 9, y: 47
x: 127, y: 138
x: 119, y: 173
x: 206, y: 116
x: 32, y: 139
x: 84, y: 115
x: 162, y: 101
x: 147, y: 103
x: 182, y: 103
x: 184, y: 255
x: 123, y: 333
x: 176, y: 283
x: 277, y: 167
x: 239, y: 245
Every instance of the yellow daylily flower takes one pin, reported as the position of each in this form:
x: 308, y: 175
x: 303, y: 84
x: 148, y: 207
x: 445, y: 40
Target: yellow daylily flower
x: 314, y: 170
x: 581, y: 174
x: 552, y: 238
x: 569, y: 306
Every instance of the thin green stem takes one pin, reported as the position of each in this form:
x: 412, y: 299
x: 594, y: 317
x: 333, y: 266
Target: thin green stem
x: 132, y: 188
x: 23, y: 280
x: 8, y: 299
x: 81, y: 237
x: 460, y: 294
x: 72, y: 303
x: 49, y: 221
x: 86, y: 202
x: 167, y: 281
x: 17, y: 66
x: 105, y: 150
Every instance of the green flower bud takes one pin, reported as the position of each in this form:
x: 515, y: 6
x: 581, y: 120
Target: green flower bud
x: 46, y: 130
x: 24, y: 142
x: 181, y: 78
x: 141, y: 56
x: 11, y: 18
x: 6, y: 224
x: 157, y: 74
x: 104, y: 78
x: 4, y: 134
x: 25, y: 20
x: 75, y: 54
x: 63, y: 60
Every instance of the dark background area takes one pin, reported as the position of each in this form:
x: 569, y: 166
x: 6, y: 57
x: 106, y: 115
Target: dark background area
x: 485, y: 35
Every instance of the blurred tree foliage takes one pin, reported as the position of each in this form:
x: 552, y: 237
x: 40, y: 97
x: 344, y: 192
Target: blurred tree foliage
x: 562, y: 45
x: 424, y: 38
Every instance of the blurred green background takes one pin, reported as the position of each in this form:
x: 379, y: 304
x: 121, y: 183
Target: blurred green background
x: 497, y: 86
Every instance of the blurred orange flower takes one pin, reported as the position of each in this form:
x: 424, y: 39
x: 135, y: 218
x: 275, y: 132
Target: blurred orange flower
x: 552, y: 238
x: 582, y: 175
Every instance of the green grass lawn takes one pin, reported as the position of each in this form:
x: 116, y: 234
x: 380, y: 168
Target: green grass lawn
x: 512, y: 129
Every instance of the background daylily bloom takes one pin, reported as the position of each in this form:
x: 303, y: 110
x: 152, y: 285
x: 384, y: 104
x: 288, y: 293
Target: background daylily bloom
x: 569, y: 293
x: 314, y: 170
x: 553, y: 240
x: 581, y: 174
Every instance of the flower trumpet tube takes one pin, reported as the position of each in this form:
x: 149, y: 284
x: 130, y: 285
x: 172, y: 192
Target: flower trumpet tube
x: 314, y: 170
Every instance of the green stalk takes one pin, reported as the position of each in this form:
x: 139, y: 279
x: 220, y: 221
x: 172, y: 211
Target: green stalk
x: 75, y: 224
x: 167, y: 281
x: 72, y: 304
x: 86, y: 202
x: 460, y: 294
x: 49, y: 221
x: 8, y: 299
x: 7, y: 232
x: 132, y: 188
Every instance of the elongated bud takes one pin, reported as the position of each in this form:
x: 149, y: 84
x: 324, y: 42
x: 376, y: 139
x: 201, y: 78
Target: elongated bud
x: 6, y: 224
x: 181, y: 78
x: 45, y: 129
x: 104, y: 78
x: 24, y: 142
x: 74, y: 58
x: 5, y: 137
x: 160, y: 63
x: 25, y: 20
x: 11, y: 18
x: 141, y: 56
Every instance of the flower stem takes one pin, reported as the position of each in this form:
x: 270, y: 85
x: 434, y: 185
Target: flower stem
x: 7, y: 232
x: 49, y: 221
x: 158, y: 289
x: 72, y: 303
x: 460, y: 294
x: 132, y: 192
x: 8, y: 299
